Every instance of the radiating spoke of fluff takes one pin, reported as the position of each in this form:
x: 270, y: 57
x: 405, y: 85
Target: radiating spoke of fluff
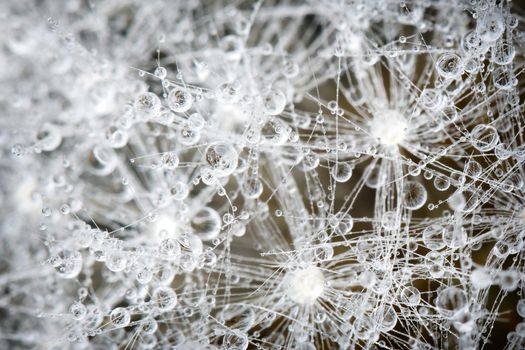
x: 262, y: 174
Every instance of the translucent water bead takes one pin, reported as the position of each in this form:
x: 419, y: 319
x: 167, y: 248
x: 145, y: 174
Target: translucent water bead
x: 161, y: 72
x: 78, y: 311
x: 252, y: 188
x: 180, y: 100
x: 290, y: 69
x: 484, y: 137
x: 206, y: 224
x: 433, y: 237
x: 450, y: 301
x: 120, y: 317
x: 67, y: 263
x: 410, y: 296
x: 274, y: 101
x: 341, y: 171
x: 147, y: 105
x: 116, y: 261
x: 169, y: 249
x: 274, y: 132
x: 189, y: 135
x: 521, y: 307
x: 49, y: 137
x: 490, y: 26
x: 117, y: 138
x: 102, y: 160
x: 170, y: 160
x: 341, y: 223
x: 165, y: 298
x: 473, y: 169
x: 222, y: 158
x: 179, y: 191
x: 236, y: 341
x: 503, y: 78
x: 386, y: 316
x: 449, y: 65
x: 414, y: 195
x: 503, y: 52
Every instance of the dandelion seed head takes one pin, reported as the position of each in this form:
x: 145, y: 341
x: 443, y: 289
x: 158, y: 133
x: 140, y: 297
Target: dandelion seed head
x: 268, y: 174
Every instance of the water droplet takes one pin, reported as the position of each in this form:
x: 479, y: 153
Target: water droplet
x: 165, y: 298
x: 161, y: 72
x: 274, y: 101
x: 484, y: 137
x: 449, y: 65
x: 341, y: 172
x: 222, y: 158
x: 414, y: 195
x: 68, y: 263
x: 206, y: 224
x: 450, y: 301
x: 147, y: 105
x: 179, y: 100
x: 120, y: 317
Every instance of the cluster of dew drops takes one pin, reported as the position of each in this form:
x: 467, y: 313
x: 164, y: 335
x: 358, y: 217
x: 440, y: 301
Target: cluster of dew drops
x: 262, y: 174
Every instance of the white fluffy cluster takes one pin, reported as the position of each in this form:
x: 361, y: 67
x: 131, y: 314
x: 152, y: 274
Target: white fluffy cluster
x: 317, y: 174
